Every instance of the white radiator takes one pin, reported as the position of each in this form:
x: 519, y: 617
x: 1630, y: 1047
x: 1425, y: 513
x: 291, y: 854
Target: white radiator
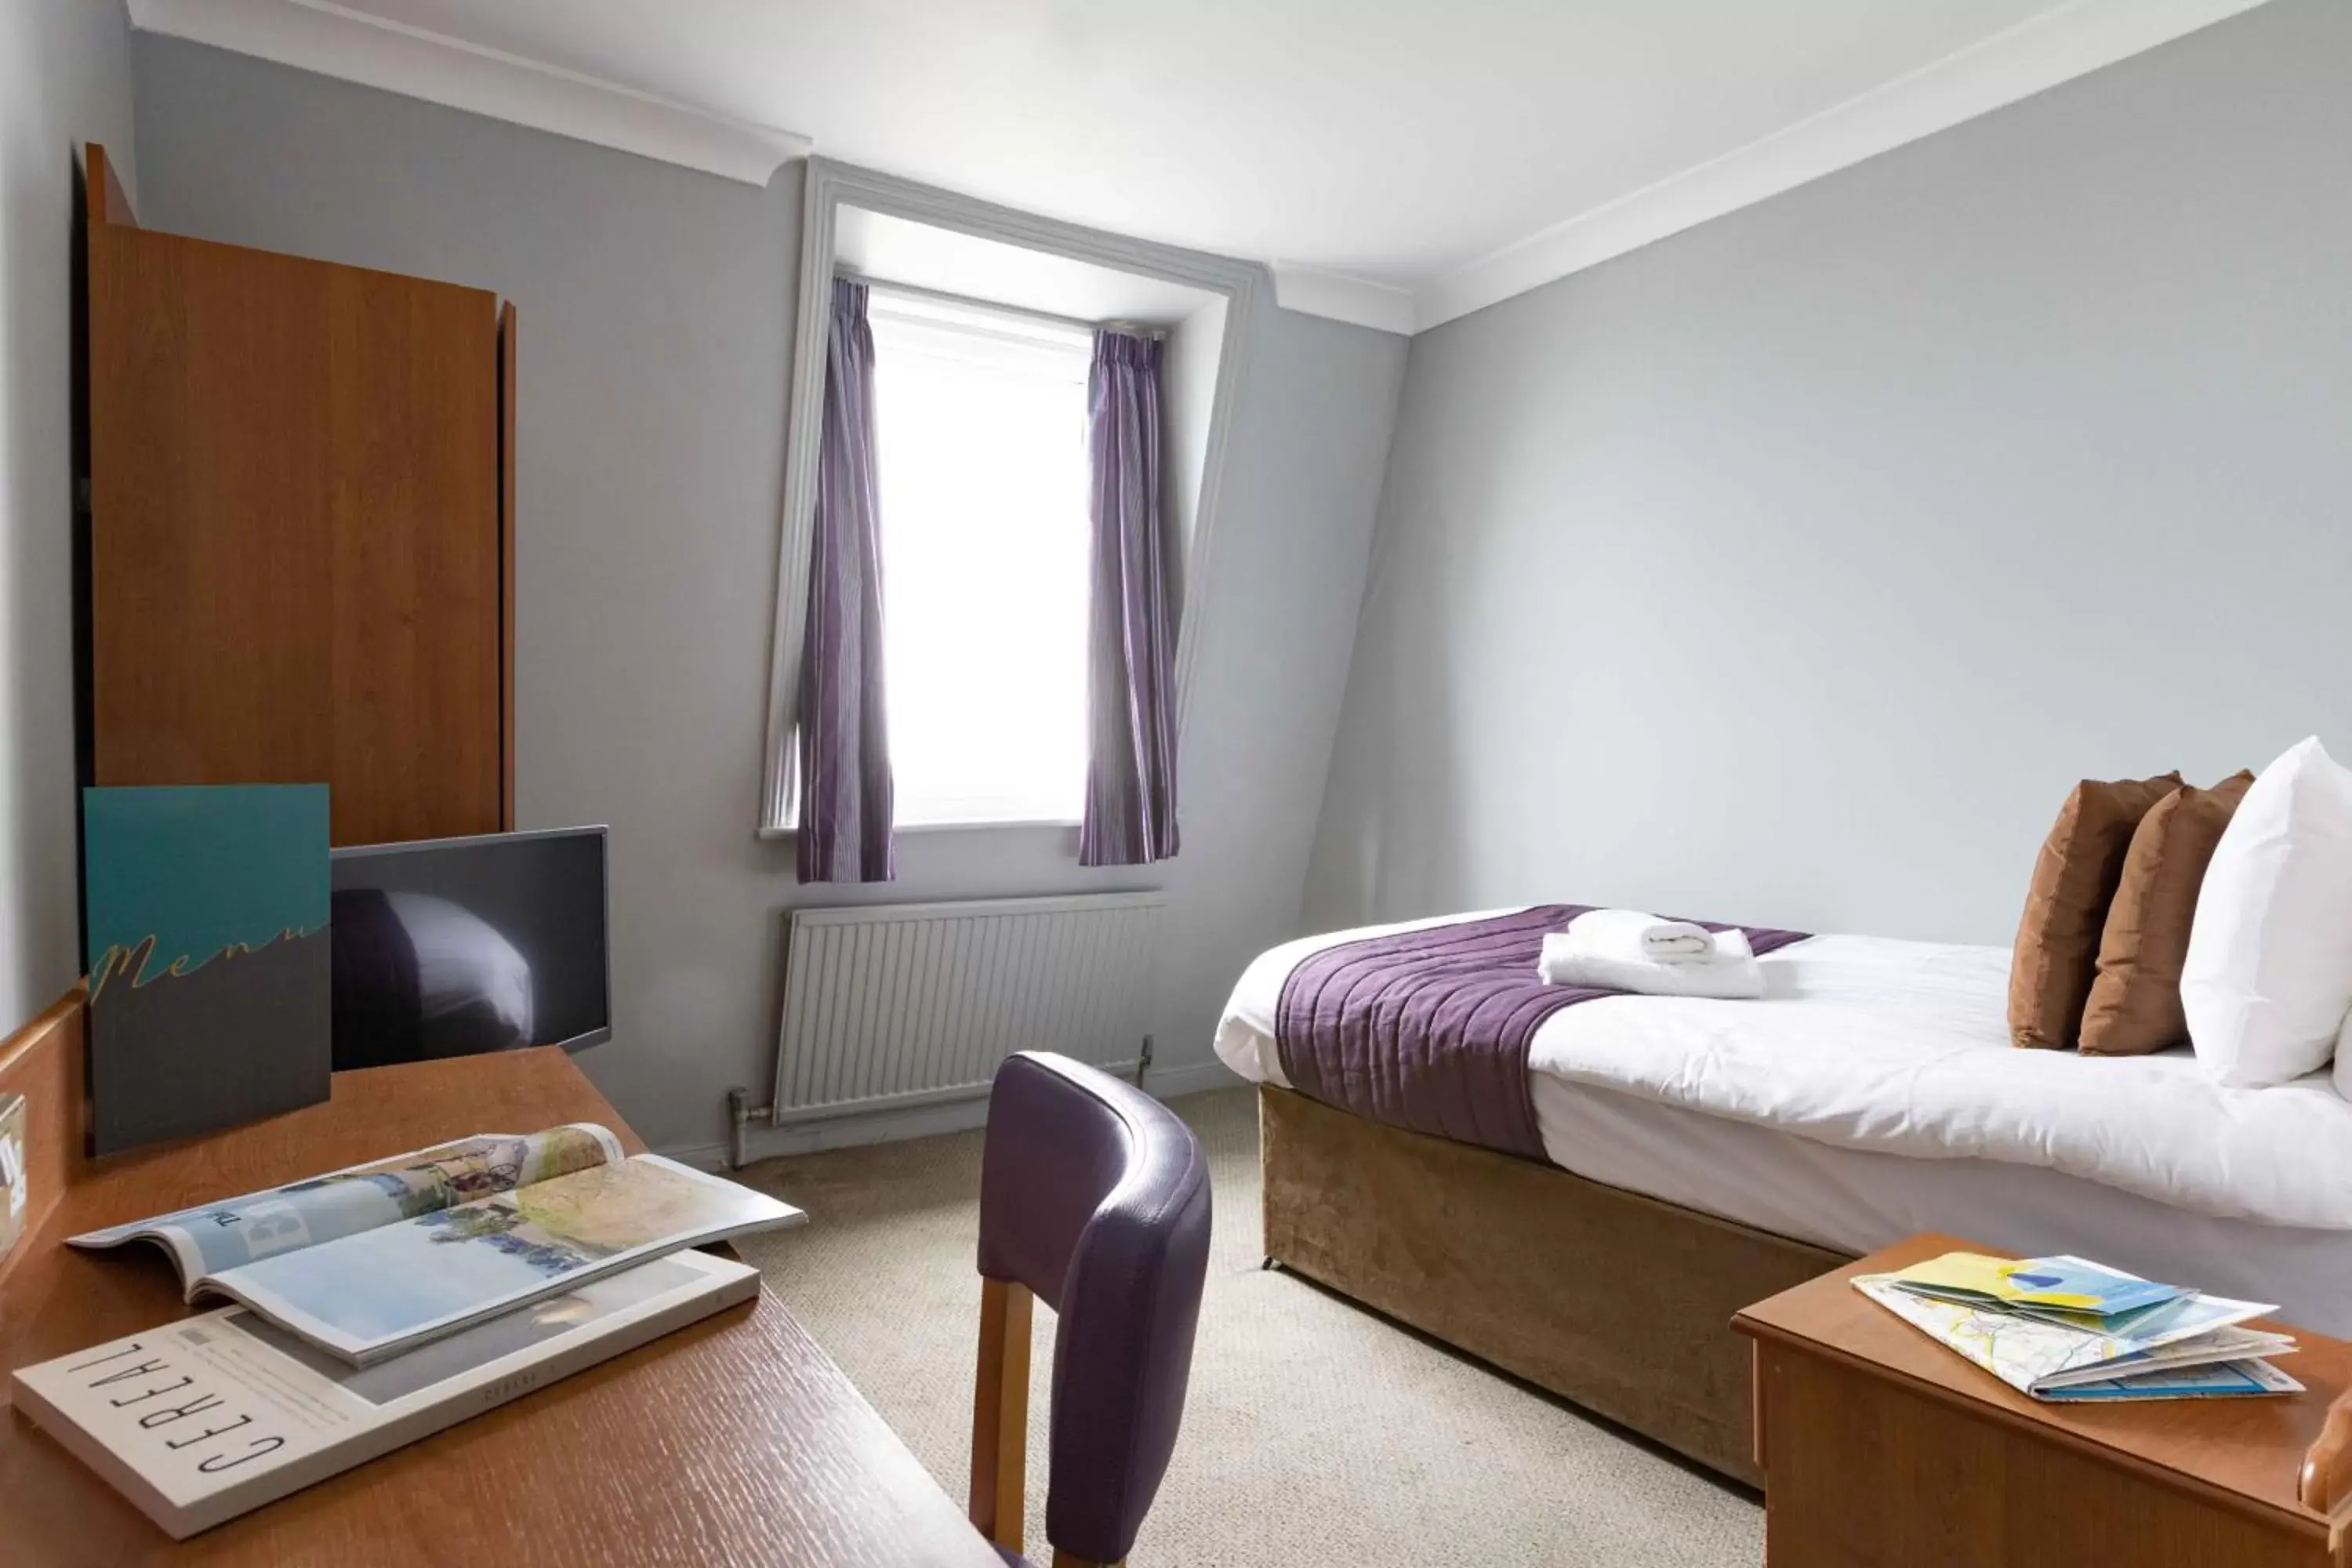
x: 893, y: 1005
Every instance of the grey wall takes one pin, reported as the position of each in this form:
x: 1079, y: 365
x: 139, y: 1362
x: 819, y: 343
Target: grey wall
x: 64, y: 80
x: 1188, y: 359
x: 1793, y: 569
x: 657, y: 335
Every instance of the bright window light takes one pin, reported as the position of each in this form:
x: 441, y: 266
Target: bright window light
x: 981, y: 445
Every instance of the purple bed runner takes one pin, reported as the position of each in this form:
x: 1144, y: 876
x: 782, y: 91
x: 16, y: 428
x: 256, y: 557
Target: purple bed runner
x: 1429, y: 1029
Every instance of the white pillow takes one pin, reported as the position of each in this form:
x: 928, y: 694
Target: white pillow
x: 2268, y: 980
x: 2344, y: 1059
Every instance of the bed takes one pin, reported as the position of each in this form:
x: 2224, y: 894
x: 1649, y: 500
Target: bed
x: 1696, y: 1155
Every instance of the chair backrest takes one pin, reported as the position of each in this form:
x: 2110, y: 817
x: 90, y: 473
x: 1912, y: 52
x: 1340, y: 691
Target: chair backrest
x: 1095, y: 1197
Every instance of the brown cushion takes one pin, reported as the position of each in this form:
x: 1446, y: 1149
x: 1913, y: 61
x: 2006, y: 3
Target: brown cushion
x: 2066, y: 908
x: 2135, y: 1002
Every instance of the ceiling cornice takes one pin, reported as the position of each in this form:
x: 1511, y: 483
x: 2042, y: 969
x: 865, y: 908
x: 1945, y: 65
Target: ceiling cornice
x: 2039, y: 53
x: 1386, y: 307
x: 331, y: 41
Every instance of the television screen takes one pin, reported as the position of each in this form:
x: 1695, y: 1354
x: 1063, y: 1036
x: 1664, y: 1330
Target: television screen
x: 454, y: 946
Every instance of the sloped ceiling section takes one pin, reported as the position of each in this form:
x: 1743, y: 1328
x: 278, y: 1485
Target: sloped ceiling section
x: 1397, y: 164
x: 376, y: 51
x: 2030, y: 58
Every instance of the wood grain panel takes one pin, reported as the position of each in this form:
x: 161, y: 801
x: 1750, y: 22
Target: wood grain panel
x: 412, y: 525
x: 212, y: 591
x: 509, y: 373
x: 43, y: 1062
x: 736, y: 1440
x: 1866, y: 1417
x: 2245, y: 1453
x: 1866, y: 1472
x: 295, y: 534
x: 107, y: 201
x: 999, y: 1413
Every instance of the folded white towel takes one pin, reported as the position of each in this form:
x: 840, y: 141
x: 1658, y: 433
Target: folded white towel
x: 1630, y: 934
x: 1733, y: 975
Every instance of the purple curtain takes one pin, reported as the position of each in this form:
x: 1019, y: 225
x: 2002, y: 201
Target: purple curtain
x: 1130, y: 817
x: 844, y: 749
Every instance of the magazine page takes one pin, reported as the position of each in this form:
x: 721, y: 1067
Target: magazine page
x: 234, y: 1232
x: 380, y: 1292
x: 200, y: 1420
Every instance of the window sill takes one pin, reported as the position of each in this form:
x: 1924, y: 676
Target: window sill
x: 1009, y: 825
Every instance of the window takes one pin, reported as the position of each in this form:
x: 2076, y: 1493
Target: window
x: 980, y: 424
x: 987, y: 720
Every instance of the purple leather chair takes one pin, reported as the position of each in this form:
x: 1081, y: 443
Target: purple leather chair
x: 1094, y: 1198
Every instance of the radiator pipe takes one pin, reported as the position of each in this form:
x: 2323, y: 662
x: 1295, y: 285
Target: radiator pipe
x: 742, y: 1113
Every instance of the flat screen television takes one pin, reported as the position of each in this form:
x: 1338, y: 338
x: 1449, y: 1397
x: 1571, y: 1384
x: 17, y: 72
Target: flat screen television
x: 450, y: 947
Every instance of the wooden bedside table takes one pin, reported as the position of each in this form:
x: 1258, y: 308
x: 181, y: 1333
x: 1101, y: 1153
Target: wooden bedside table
x: 1880, y: 1447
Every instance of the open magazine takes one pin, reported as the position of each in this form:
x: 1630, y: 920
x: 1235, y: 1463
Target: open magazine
x: 369, y: 1262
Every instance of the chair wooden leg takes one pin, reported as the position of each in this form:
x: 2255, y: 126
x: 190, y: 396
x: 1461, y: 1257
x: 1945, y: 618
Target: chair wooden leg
x: 999, y: 1413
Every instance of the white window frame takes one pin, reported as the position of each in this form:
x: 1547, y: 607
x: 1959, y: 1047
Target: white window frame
x: 831, y: 186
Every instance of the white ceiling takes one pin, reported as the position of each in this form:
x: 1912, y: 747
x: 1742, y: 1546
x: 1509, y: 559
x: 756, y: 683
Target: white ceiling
x: 1400, y: 161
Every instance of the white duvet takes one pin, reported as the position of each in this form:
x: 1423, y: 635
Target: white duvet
x: 1902, y: 1047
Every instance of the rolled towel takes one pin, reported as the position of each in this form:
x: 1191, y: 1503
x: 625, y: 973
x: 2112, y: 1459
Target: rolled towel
x: 1630, y: 934
x: 1733, y: 977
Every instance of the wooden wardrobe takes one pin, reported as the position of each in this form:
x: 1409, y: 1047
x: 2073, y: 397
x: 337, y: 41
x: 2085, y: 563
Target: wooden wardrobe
x: 301, y: 533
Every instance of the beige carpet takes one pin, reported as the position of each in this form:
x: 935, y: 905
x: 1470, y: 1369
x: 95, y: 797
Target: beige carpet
x: 1314, y: 1432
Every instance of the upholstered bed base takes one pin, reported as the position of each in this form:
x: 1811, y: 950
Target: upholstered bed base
x: 1616, y: 1302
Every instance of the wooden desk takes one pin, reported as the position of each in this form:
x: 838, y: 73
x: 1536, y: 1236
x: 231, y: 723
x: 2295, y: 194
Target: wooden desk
x: 1879, y: 1446
x: 736, y: 1440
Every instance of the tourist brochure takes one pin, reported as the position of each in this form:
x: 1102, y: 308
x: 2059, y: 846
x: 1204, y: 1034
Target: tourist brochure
x: 2059, y: 1284
x: 211, y: 1417
x: 2193, y: 1346
x: 2221, y: 1380
x: 372, y: 1261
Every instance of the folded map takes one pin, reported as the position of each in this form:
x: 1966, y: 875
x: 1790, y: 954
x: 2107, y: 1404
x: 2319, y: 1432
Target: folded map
x: 2042, y: 1358
x: 2227, y: 1380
